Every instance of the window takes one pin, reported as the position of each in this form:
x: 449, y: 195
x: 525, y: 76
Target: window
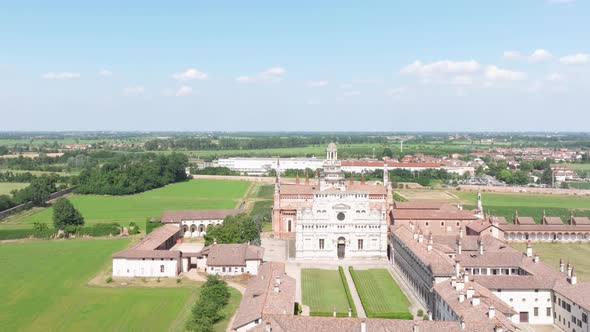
x: 223, y: 269
x: 458, y: 224
x: 162, y: 268
x: 536, y: 311
x: 360, y: 244
x: 548, y: 311
x: 427, y: 224
x: 242, y: 270
x: 442, y: 224
x: 341, y: 216
x: 585, y: 318
x: 321, y: 243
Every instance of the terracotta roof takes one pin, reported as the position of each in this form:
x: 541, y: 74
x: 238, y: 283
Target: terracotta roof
x: 433, y: 215
x: 260, y: 297
x: 231, y: 254
x: 301, y: 189
x: 525, y: 221
x: 283, y: 323
x: 180, y: 215
x: 580, y: 220
x: 440, y: 263
x: 552, y: 221
x: 419, y: 205
x: 147, y: 247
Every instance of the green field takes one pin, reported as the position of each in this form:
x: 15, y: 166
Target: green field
x: 7, y: 187
x: 194, y: 194
x: 379, y: 293
x: 532, y: 205
x: 579, y: 185
x: 575, y: 253
x: 43, y: 287
x: 265, y: 191
x: 322, y: 291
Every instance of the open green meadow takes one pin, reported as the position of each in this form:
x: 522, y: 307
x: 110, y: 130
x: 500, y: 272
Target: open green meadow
x: 322, y: 291
x: 380, y: 294
x: 265, y: 191
x: 533, y: 205
x: 7, y: 187
x: 579, y: 185
x: 194, y: 194
x: 44, y: 288
x: 575, y: 253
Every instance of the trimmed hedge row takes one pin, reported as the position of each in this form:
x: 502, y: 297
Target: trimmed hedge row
x: 393, y: 315
x: 150, y: 225
x: 102, y: 229
x: 347, y: 291
x: 327, y: 314
x: 13, y: 234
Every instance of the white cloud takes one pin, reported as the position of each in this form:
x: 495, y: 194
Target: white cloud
x: 555, y: 77
x: 317, y: 84
x: 61, y: 76
x: 396, y: 92
x: 105, y: 73
x: 271, y: 75
x: 134, y: 90
x: 441, y: 67
x: 461, y: 80
x: 494, y: 73
x: 351, y: 93
x: 184, y: 91
x: 576, y: 59
x: 538, y: 55
x: 190, y: 74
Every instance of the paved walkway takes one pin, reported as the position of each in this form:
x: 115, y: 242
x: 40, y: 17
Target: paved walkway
x: 360, y: 310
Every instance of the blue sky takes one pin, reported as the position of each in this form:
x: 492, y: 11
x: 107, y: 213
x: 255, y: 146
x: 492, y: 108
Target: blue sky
x: 298, y: 65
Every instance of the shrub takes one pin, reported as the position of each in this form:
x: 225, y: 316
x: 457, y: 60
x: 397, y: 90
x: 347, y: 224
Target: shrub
x: 420, y: 312
x: 133, y: 228
x: 150, y: 225
x: 40, y: 226
x: 178, y: 280
x: 347, y: 291
x: 109, y: 280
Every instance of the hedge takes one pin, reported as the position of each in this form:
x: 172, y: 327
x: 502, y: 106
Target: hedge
x: 13, y: 234
x: 150, y: 225
x: 328, y: 314
x: 347, y: 291
x: 101, y: 229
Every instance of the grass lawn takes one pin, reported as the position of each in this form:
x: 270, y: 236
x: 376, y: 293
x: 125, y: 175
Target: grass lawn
x: 228, y: 311
x: 194, y: 194
x: 575, y: 253
x: 322, y: 290
x: 265, y: 191
x: 579, y: 185
x: 379, y: 293
x: 532, y: 205
x: 45, y: 290
x: 7, y: 187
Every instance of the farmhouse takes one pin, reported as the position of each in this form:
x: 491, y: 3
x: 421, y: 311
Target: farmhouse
x: 194, y: 222
x: 152, y: 256
x: 230, y: 259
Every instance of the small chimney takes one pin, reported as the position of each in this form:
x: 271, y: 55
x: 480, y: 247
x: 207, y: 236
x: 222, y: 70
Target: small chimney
x: 498, y: 328
x: 461, y: 297
x: 334, y: 312
x: 470, y: 292
x: 420, y: 237
x: 460, y: 285
x: 475, y: 301
x: 457, y: 268
x: 529, y: 249
x: 480, y: 243
x: 536, y: 259
x: 492, y: 312
x: 415, y: 328
x: 458, y: 245
x: 430, y: 242
x: 465, y: 277
x: 363, y: 326
x: 569, y: 269
x: 349, y: 312
x: 461, y: 233
x: 278, y: 280
x: 276, y: 288
x: 561, y: 266
x: 267, y: 328
x: 453, y: 281
x: 462, y: 323
x: 573, y: 278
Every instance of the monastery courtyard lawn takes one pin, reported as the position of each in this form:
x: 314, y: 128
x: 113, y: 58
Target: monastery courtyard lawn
x: 7, y: 187
x: 43, y: 287
x: 550, y: 253
x: 198, y: 194
x: 380, y: 294
x: 322, y: 290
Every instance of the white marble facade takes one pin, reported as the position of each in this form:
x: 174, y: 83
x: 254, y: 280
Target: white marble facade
x: 341, y: 225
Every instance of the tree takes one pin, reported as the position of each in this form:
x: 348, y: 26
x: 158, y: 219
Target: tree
x: 65, y: 214
x: 387, y: 153
x: 238, y: 228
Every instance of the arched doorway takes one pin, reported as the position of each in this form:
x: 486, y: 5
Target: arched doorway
x: 341, y: 247
x: 201, y: 229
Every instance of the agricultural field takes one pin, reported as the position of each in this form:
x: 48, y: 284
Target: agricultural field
x: 575, y: 253
x: 426, y: 195
x: 322, y: 291
x: 533, y: 205
x: 46, y: 290
x: 7, y: 187
x: 265, y: 191
x: 579, y: 185
x: 380, y: 294
x: 194, y: 194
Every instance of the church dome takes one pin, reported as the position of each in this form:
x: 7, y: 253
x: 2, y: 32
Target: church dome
x: 332, y: 146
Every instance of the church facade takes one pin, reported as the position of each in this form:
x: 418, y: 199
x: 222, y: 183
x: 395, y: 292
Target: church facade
x: 333, y: 218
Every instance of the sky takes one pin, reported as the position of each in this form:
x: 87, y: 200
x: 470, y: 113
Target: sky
x: 514, y: 65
